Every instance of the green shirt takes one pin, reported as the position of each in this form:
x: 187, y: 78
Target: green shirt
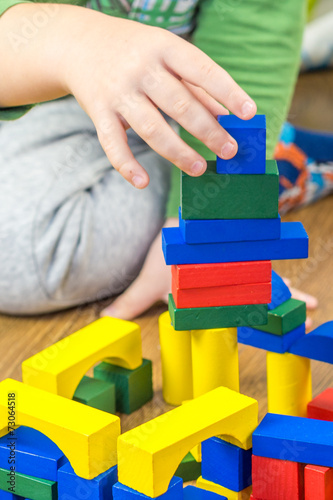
x: 257, y: 41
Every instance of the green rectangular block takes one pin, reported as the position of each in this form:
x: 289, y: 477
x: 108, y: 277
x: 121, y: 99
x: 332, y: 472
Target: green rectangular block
x: 200, y: 318
x: 134, y: 388
x: 224, y: 196
x: 285, y: 317
x: 96, y: 393
x: 189, y: 469
x: 28, y: 487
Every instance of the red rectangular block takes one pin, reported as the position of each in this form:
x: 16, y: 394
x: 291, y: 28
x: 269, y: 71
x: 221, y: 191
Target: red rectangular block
x: 318, y: 482
x: 277, y: 479
x: 232, y: 295
x: 222, y: 274
x: 321, y: 407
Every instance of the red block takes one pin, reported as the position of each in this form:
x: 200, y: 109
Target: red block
x: 321, y: 407
x: 232, y: 295
x: 318, y: 482
x: 222, y: 274
x: 277, y: 479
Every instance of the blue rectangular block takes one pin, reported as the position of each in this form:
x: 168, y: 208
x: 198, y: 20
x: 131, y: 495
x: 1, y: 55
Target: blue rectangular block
x: 4, y: 495
x: 280, y: 291
x: 226, y: 464
x: 292, y: 245
x: 34, y: 454
x: 175, y: 492
x: 269, y: 341
x: 224, y: 230
x: 295, y: 439
x: 194, y: 493
x: 74, y: 487
x: 251, y: 138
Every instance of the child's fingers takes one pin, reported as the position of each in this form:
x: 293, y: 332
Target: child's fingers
x: 149, y: 124
x: 214, y: 107
x: 178, y: 102
x: 197, y: 68
x: 113, y: 139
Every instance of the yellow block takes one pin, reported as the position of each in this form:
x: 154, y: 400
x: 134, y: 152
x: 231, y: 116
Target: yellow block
x: 214, y: 360
x: 220, y: 490
x: 148, y: 456
x: 289, y: 385
x: 87, y: 437
x: 60, y: 368
x: 176, y: 362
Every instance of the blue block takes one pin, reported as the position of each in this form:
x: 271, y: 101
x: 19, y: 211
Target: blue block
x: 194, y: 493
x: 175, y: 492
x: 280, y: 291
x: 292, y: 245
x: 251, y: 138
x: 295, y: 439
x: 35, y: 454
x: 226, y: 464
x: 224, y: 230
x: 269, y: 341
x: 317, y: 344
x: 74, y: 487
x: 4, y: 495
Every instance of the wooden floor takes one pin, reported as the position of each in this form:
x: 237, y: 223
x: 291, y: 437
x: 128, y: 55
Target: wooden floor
x: 22, y: 337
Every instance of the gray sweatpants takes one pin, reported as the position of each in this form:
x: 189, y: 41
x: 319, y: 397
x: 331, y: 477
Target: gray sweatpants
x: 72, y: 230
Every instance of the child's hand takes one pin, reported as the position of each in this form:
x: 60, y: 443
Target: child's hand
x: 152, y: 284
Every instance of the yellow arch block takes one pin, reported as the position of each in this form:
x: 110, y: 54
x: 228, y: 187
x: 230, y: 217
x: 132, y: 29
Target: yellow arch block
x: 149, y: 455
x: 87, y: 437
x: 60, y: 367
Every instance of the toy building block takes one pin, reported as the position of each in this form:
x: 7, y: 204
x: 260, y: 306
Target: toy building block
x: 160, y: 445
x: 229, y: 295
x: 294, y: 438
x: 97, y: 394
x: 60, y: 368
x: 134, y: 388
x: 280, y: 291
x: 33, y: 453
x: 293, y: 244
x: 221, y: 274
x: 268, y: 341
x: 5, y: 495
x: 221, y: 490
x: 223, y: 230
x: 251, y: 138
x: 27, y: 486
x: 278, y: 479
x: 214, y: 196
x: 174, y: 492
x: 321, y: 407
x: 65, y: 422
x: 318, y: 482
x: 317, y: 344
x: 73, y: 487
x: 289, y: 384
x: 194, y: 493
x: 226, y: 464
x: 214, y: 360
x: 285, y: 318
x: 189, y: 469
x: 196, y: 318
x: 176, y: 357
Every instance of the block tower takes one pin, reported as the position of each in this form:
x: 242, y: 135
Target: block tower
x: 229, y: 232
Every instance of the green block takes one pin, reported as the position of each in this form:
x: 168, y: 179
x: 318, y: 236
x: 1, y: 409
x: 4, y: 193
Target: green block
x: 134, y: 388
x: 199, y: 318
x: 224, y: 196
x: 28, y: 487
x: 189, y: 469
x: 285, y: 317
x: 97, y: 394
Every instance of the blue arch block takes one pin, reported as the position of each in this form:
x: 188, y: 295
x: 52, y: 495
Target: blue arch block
x: 73, y: 487
x: 194, y: 493
x: 317, y: 344
x: 175, y: 492
x: 280, y: 291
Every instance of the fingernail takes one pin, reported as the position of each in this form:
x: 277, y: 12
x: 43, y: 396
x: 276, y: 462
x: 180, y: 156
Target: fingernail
x: 138, y: 181
x: 228, y: 150
x: 198, y: 168
x: 248, y: 108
